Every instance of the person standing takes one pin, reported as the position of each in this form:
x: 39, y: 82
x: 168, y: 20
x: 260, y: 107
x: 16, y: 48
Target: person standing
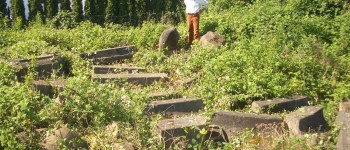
x: 193, y: 10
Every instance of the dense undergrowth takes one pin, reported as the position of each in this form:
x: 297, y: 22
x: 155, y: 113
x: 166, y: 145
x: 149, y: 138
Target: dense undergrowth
x: 275, y: 48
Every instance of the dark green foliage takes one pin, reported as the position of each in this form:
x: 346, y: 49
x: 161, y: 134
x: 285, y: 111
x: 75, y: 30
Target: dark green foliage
x: 100, y: 8
x: 52, y: 8
x: 3, y: 10
x: 77, y: 10
x: 35, y: 8
x: 17, y: 9
x: 65, y: 5
x: 90, y: 10
x: 112, y: 11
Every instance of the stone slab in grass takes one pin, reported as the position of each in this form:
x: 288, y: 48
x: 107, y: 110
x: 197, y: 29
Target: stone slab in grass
x: 233, y: 122
x: 49, y: 87
x: 306, y: 119
x: 63, y: 136
x: 181, y: 130
x: 144, y: 79
x: 109, y: 55
x: 106, y: 69
x: 343, y: 121
x: 46, y: 66
x: 175, y: 106
x: 164, y: 95
x: 279, y: 104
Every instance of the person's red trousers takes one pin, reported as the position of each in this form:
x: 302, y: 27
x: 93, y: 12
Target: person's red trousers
x: 193, y: 27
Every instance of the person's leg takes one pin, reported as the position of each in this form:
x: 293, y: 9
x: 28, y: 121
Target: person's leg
x: 195, y: 20
x: 190, y: 29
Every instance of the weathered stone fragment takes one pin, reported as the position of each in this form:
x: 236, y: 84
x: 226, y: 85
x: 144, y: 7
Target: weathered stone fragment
x: 306, y: 119
x: 216, y: 134
x: 144, y: 79
x: 46, y: 66
x: 110, y: 55
x: 123, y: 146
x: 212, y: 39
x: 66, y: 137
x: 175, y: 106
x: 343, y: 120
x: 105, y: 69
x: 233, y: 122
x: 279, y: 104
x: 172, y: 131
x: 169, y: 39
x: 164, y: 95
x: 49, y: 88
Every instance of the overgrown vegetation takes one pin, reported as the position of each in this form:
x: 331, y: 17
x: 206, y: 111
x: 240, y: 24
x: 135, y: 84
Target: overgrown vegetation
x: 275, y: 48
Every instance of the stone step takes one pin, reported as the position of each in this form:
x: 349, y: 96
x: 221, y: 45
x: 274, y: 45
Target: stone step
x: 110, y: 55
x: 106, y: 69
x: 343, y: 121
x: 306, y: 119
x: 143, y: 79
x: 233, y: 122
x: 45, y: 65
x: 187, y: 128
x: 279, y: 104
x: 175, y: 106
x: 49, y: 87
x: 164, y: 95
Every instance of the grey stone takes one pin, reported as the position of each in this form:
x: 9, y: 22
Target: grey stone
x: 24, y: 137
x: 49, y: 87
x: 144, y: 79
x: 233, y: 122
x: 109, y: 55
x: 46, y: 66
x: 279, y: 104
x: 164, y: 95
x: 306, y: 119
x: 43, y: 87
x: 175, y: 106
x: 212, y: 39
x: 343, y: 121
x: 123, y: 146
x: 64, y: 136
x: 217, y: 134
x: 105, y: 69
x: 169, y: 39
x: 344, y: 106
x: 171, y: 130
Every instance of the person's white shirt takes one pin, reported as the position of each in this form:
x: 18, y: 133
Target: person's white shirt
x: 193, y: 6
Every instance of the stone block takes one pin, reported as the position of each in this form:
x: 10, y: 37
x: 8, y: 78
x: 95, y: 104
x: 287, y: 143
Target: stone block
x: 306, y: 119
x: 46, y: 66
x: 175, y: 106
x: 186, y: 129
x: 58, y: 85
x: 43, y: 87
x: 212, y: 39
x: 279, y: 104
x: 66, y: 137
x: 169, y: 39
x: 233, y: 122
x: 343, y: 121
x: 49, y: 87
x: 144, y: 79
x: 106, y: 69
x: 109, y: 55
x: 164, y: 95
